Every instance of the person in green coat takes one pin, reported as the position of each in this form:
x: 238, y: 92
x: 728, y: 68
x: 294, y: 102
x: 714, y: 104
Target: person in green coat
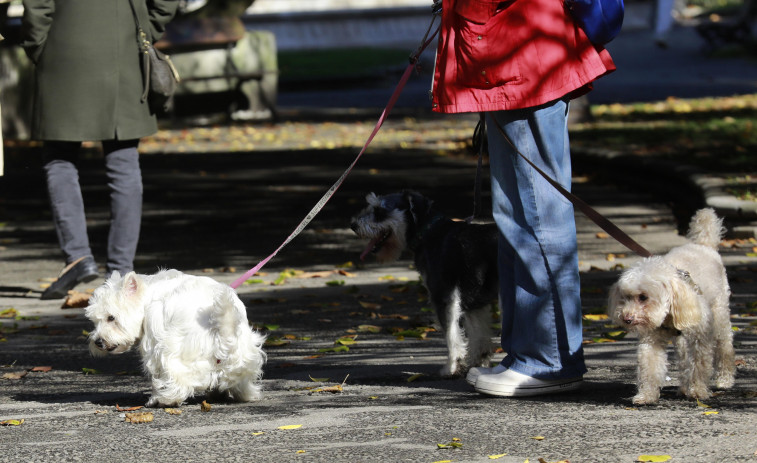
x: 88, y: 87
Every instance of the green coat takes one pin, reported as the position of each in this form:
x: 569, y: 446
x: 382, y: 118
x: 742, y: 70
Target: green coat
x: 88, y: 79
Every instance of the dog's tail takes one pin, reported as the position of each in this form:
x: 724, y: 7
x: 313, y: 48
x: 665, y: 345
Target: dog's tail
x: 706, y: 228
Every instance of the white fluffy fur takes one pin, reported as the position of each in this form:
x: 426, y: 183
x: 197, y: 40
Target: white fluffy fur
x: 659, y: 301
x: 192, y: 332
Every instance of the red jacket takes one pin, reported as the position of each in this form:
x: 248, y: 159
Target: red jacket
x: 496, y: 55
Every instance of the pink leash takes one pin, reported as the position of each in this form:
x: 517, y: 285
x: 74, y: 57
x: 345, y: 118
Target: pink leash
x: 322, y: 202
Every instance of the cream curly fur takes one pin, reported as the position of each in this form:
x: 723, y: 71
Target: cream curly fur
x: 682, y: 296
x: 192, y: 332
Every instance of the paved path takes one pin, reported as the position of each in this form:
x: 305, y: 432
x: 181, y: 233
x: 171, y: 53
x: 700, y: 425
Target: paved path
x: 203, y: 216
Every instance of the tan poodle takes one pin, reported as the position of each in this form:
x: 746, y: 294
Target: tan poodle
x: 681, y: 296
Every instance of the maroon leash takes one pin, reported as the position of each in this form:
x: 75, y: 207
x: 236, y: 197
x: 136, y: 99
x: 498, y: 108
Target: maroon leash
x: 590, y: 212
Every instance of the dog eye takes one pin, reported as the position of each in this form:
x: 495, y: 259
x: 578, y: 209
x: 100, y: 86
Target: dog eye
x: 111, y: 318
x: 379, y: 214
x: 643, y: 297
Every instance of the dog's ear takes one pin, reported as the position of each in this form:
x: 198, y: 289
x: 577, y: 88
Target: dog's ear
x: 131, y: 284
x: 372, y: 199
x: 613, y: 302
x: 419, y: 205
x: 685, y: 308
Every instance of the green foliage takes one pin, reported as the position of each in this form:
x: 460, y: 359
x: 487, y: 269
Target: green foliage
x: 717, y: 134
x: 343, y: 63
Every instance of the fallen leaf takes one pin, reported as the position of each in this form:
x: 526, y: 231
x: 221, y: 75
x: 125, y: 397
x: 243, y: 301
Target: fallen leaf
x: 702, y: 404
x: 12, y: 422
x: 274, y: 342
x: 290, y: 426
x: 395, y: 316
x: 90, y: 371
x: 76, y: 300
x: 9, y: 313
x: 595, y: 317
x: 654, y: 458
x: 321, y: 274
x: 205, y: 406
x: 173, y: 411
x: 454, y: 444
x: 318, y: 380
x: 368, y: 329
x: 15, y: 374
x: 497, y: 456
x: 258, y: 433
x: 44, y: 369
x: 537, y: 437
x: 414, y: 377
x: 602, y: 235
x: 128, y: 409
x: 335, y: 349
x: 345, y: 341
x: 711, y: 412
x: 369, y: 305
x: 139, y: 417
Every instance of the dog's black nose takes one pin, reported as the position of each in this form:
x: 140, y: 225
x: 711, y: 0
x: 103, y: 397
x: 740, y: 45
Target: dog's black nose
x: 628, y: 320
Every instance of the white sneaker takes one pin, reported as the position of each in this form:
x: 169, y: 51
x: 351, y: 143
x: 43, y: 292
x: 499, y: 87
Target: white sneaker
x: 510, y: 383
x: 475, y: 372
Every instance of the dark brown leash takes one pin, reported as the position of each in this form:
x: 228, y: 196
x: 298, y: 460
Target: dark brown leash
x: 587, y: 210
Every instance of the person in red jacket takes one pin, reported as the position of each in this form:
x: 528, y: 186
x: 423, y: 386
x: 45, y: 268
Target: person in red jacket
x: 520, y: 62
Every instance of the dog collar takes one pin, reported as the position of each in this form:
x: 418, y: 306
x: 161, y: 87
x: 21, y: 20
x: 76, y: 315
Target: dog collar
x: 419, y: 236
x: 668, y: 326
x: 686, y: 276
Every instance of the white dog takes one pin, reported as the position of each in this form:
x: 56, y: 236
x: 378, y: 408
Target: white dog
x: 192, y: 331
x: 682, y: 296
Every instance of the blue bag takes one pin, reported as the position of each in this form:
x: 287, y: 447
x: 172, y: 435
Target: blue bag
x: 599, y: 19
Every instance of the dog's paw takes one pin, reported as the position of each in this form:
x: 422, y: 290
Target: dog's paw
x: 645, y: 399
x: 450, y: 371
x: 724, y: 381
x: 155, y: 402
x: 696, y: 392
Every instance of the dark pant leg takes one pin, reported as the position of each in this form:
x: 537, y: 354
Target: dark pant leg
x: 125, y: 184
x: 66, y: 201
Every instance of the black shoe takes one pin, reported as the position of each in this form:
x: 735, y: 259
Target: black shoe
x: 80, y: 271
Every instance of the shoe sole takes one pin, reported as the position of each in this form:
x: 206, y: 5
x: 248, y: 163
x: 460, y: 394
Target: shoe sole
x: 531, y: 391
x: 58, y: 295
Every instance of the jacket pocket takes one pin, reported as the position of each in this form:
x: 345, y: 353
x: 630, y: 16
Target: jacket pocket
x: 485, y: 39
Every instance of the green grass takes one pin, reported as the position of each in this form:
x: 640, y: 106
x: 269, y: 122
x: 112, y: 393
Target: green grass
x: 717, y: 134
x: 346, y: 63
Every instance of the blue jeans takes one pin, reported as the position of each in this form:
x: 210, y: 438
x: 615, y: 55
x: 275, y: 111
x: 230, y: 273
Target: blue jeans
x: 538, y: 256
x: 125, y: 184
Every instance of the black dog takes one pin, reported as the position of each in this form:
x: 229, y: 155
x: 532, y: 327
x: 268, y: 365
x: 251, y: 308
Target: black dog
x: 457, y: 262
